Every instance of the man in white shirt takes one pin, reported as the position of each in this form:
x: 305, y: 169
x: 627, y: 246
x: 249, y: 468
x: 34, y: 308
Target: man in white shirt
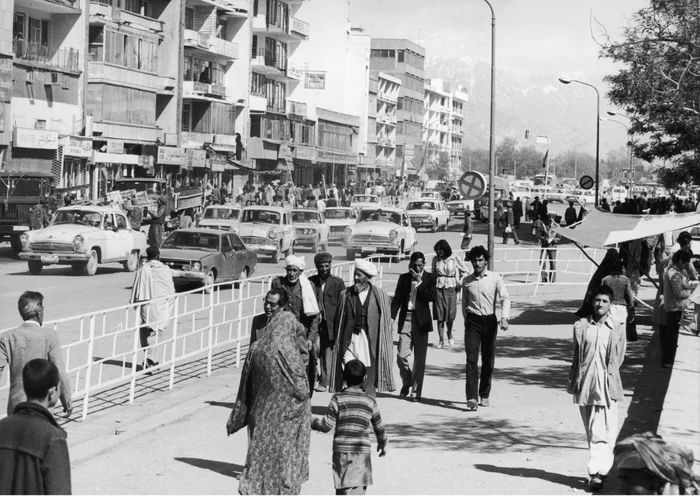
x: 480, y: 291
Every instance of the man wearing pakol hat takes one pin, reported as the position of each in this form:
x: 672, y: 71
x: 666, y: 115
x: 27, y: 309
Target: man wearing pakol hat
x: 365, y: 333
x: 329, y: 292
x: 302, y: 303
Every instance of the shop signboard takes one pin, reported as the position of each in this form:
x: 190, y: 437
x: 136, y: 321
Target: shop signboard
x: 218, y: 162
x: 305, y: 153
x: 5, y: 80
x: 336, y: 158
x: 171, y: 155
x: 285, y: 153
x: 195, y: 158
x: 115, y: 146
x: 36, y: 138
x: 315, y: 80
x: 78, y: 147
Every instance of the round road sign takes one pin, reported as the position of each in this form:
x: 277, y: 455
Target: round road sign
x: 586, y: 182
x: 472, y: 185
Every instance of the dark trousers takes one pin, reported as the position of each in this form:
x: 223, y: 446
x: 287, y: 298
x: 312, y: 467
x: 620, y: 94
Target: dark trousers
x: 512, y: 233
x: 412, y: 341
x: 668, y: 336
x: 325, y: 355
x: 480, y: 334
x: 549, y: 275
x: 352, y: 490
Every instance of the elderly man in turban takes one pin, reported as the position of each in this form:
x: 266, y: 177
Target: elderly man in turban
x: 365, y: 333
x: 329, y: 291
x: 647, y: 464
x: 302, y: 303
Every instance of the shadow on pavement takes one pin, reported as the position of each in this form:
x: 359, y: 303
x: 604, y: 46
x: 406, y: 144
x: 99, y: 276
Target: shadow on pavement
x: 224, y: 468
x: 533, y: 473
x: 222, y: 404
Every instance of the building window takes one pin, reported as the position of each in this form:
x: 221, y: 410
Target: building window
x: 140, y: 7
x: 401, y: 55
x: 18, y: 26
x: 186, y: 117
x: 257, y: 84
x: 189, y: 18
x: 96, y: 43
x: 130, y: 51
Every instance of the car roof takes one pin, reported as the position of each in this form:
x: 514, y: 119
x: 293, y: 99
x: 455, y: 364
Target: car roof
x: 365, y: 194
x: 267, y: 207
x: 139, y: 179
x: 306, y: 210
x: 93, y: 208
x: 386, y: 209
x: 340, y: 208
x: 203, y: 230
x: 227, y: 206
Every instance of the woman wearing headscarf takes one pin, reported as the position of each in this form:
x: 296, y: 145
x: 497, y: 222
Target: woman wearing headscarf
x: 275, y: 391
x: 604, y: 269
x: 448, y: 271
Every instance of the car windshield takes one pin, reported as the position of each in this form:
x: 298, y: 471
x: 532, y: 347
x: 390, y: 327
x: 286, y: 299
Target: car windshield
x: 380, y: 215
x: 365, y: 199
x: 84, y: 217
x: 152, y: 187
x: 264, y: 216
x: 419, y: 205
x: 341, y: 213
x: 221, y: 213
x: 192, y: 240
x: 306, y: 217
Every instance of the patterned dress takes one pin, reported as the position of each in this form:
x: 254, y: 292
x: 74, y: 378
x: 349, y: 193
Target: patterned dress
x: 279, y: 415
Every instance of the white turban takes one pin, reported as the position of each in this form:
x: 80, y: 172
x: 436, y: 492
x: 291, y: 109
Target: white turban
x: 366, y: 266
x: 297, y: 262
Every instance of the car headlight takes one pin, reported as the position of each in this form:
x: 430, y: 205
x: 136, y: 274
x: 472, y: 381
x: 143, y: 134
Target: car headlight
x: 393, y: 235
x: 196, y: 266
x: 272, y: 234
x: 348, y: 234
x: 78, y: 242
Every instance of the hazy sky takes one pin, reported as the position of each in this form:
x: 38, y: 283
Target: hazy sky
x: 531, y: 35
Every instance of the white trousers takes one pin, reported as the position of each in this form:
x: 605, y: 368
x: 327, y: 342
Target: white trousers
x: 619, y: 314
x: 601, y: 431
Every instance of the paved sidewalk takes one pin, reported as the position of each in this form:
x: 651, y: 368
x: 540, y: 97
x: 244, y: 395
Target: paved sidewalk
x: 530, y: 441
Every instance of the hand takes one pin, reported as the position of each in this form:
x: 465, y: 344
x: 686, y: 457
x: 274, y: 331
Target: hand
x: 504, y: 324
x: 309, y: 345
x: 381, y: 451
x: 67, y: 407
x: 415, y: 275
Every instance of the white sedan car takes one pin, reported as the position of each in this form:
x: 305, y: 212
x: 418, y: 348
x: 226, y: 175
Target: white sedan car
x: 380, y: 230
x: 311, y: 229
x: 428, y: 214
x: 364, y: 201
x: 338, y: 219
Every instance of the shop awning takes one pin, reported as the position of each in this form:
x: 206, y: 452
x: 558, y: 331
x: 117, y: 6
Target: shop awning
x: 218, y: 148
x: 235, y: 164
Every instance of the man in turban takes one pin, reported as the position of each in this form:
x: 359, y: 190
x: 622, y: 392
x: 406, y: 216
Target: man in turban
x: 647, y: 464
x: 329, y: 291
x: 365, y: 333
x: 302, y: 303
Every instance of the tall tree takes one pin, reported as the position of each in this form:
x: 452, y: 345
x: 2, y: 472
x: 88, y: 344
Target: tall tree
x: 660, y: 86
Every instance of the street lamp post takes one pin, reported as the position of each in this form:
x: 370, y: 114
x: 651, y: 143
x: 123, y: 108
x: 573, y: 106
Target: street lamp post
x: 597, y: 134
x: 492, y: 137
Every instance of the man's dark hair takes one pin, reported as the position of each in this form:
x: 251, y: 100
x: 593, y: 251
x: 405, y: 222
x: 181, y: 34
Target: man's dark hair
x: 680, y: 257
x: 417, y: 255
x: 30, y: 305
x: 152, y: 252
x: 354, y: 373
x: 684, y: 238
x: 39, y: 375
x: 284, y: 297
x: 444, y: 246
x: 603, y: 290
x: 479, y: 251
x: 616, y: 265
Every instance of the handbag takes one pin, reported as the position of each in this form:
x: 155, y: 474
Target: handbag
x: 533, y: 231
x: 466, y: 240
x: 238, y: 418
x: 508, y: 230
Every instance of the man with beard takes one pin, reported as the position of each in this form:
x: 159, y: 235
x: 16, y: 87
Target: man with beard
x: 365, y: 333
x: 302, y: 303
x: 329, y: 292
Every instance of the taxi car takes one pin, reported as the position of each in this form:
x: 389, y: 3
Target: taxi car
x: 84, y: 237
x: 220, y: 217
x: 267, y: 231
x: 339, y: 218
x: 362, y: 201
x: 311, y: 229
x: 457, y: 207
x: 380, y: 230
x: 207, y: 256
x: 435, y: 195
x: 428, y: 213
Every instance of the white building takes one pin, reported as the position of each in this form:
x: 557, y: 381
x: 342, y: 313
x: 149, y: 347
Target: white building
x: 443, y: 123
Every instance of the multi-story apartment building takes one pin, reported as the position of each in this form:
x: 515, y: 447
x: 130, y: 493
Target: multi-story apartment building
x: 388, y: 92
x: 404, y: 60
x: 443, y: 123
x: 457, y: 116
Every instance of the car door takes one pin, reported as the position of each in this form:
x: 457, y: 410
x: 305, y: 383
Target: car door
x: 110, y: 249
x: 228, y: 260
x: 240, y: 255
x: 125, y: 238
x: 325, y: 229
x: 288, y: 230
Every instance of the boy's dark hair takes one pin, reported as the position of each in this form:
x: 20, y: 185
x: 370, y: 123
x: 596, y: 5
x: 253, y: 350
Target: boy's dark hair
x: 39, y: 375
x: 603, y: 290
x: 354, y: 373
x: 680, y: 257
x: 478, y: 251
x: 30, y: 305
x: 417, y: 255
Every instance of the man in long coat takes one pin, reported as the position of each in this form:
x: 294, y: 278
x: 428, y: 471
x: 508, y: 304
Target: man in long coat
x: 365, y: 333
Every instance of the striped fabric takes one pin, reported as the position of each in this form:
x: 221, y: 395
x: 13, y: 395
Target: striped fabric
x: 351, y: 413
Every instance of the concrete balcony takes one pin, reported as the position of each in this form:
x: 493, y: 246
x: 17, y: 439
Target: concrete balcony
x: 299, y: 28
x: 387, y: 97
x: 46, y: 56
x: 235, y: 8
x: 195, y: 140
x: 51, y: 6
x: 277, y: 107
x: 202, y: 91
x: 100, y: 72
x: 100, y: 11
x: 296, y: 108
x: 288, y: 29
x: 212, y: 45
x: 269, y: 63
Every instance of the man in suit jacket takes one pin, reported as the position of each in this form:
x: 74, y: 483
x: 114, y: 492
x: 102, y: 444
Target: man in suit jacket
x: 414, y: 292
x: 329, y: 292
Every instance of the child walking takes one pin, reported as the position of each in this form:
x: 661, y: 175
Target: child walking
x: 351, y: 412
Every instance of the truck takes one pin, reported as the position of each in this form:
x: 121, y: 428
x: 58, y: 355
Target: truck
x: 19, y: 192
x: 149, y: 189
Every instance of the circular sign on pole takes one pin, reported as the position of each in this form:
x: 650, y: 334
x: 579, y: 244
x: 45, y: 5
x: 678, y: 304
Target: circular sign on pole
x: 586, y: 182
x: 472, y: 185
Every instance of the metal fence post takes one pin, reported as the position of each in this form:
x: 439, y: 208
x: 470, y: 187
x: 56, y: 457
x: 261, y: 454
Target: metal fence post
x: 135, y: 355
x: 88, y: 373
x: 174, y: 346
x: 211, y: 331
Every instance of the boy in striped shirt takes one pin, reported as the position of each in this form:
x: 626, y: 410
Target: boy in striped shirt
x: 351, y: 413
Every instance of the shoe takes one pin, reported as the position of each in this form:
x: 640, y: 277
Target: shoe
x: 472, y: 405
x: 440, y: 346
x: 595, y: 483
x: 321, y: 389
x: 404, y: 391
x: 485, y: 402
x: 452, y: 342
x: 517, y: 242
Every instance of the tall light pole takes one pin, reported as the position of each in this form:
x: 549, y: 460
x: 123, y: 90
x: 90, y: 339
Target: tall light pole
x: 597, y: 133
x: 492, y: 137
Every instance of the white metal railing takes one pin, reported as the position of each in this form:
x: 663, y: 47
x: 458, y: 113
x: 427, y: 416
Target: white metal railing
x: 107, y: 352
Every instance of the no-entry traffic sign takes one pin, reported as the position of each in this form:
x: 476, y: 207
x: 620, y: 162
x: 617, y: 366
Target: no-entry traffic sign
x: 472, y: 185
x: 586, y: 182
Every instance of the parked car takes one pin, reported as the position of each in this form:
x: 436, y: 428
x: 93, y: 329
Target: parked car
x: 206, y: 256
x: 220, y: 217
x: 84, y: 237
x: 339, y: 218
x: 457, y: 207
x: 267, y: 231
x: 362, y: 201
x: 436, y: 195
x: 311, y: 229
x: 428, y: 213
x: 380, y: 230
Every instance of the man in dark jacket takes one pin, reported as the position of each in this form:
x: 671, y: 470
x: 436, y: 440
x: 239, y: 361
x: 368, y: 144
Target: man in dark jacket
x: 570, y: 214
x: 414, y: 292
x: 329, y: 292
x: 33, y: 449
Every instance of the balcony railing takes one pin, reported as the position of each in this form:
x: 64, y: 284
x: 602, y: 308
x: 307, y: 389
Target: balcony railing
x: 278, y: 107
x: 299, y: 27
x: 64, y: 58
x: 296, y: 108
x: 269, y: 58
x: 104, y: 10
x: 212, y: 44
x: 195, y: 88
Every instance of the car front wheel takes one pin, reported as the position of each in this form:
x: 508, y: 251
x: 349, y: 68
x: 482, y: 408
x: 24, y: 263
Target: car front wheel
x: 209, y: 282
x: 132, y: 262
x: 90, y: 268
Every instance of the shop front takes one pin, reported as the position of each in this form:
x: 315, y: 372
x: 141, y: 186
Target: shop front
x: 337, y: 168
x: 75, y: 170
x: 34, y: 150
x: 119, y: 159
